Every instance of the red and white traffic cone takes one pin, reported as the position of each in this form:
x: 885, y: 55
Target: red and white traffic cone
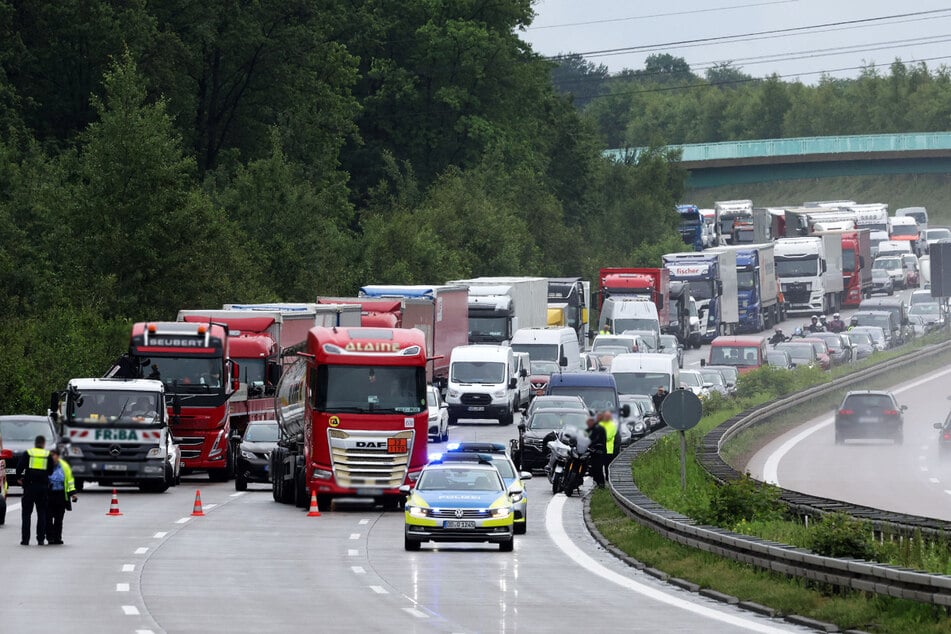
x: 114, y: 505
x: 196, y: 509
x: 314, y: 509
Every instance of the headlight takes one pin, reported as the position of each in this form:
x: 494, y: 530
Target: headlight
x: 155, y: 452
x: 499, y: 394
x: 639, y: 427
x: 501, y: 512
x: 74, y: 452
x: 454, y: 393
x: 417, y: 511
x: 248, y: 455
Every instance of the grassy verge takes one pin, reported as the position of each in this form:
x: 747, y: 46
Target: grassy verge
x: 871, y: 613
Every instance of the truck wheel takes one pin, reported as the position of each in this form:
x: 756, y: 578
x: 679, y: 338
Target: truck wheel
x: 223, y: 474
x: 392, y: 503
x: 275, y: 469
x: 301, y: 494
x: 324, y: 503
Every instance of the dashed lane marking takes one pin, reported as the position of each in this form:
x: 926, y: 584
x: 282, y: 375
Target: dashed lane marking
x: 141, y: 551
x: 353, y: 552
x: 948, y: 491
x: 13, y: 507
x: 128, y: 567
x: 210, y: 506
x: 144, y: 632
x: 364, y: 522
x: 238, y: 494
x: 358, y: 570
x: 182, y: 520
x: 160, y: 535
x: 130, y: 610
x: 122, y: 587
x: 419, y: 614
x: 379, y: 589
x: 934, y: 480
x: 923, y: 468
x: 354, y: 536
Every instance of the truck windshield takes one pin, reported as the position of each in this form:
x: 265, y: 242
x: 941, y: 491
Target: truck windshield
x: 641, y: 382
x: 538, y: 351
x: 370, y: 389
x: 734, y: 355
x: 701, y: 289
x: 623, y: 325
x: 745, y: 280
x: 187, y: 375
x: 252, y: 370
x: 596, y: 398
x: 488, y: 328
x: 798, y: 267
x: 105, y: 407
x: 478, y: 372
x: 905, y: 230
x: 848, y: 261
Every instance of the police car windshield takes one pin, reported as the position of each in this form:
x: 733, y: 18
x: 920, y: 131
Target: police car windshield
x: 106, y: 407
x: 459, y: 479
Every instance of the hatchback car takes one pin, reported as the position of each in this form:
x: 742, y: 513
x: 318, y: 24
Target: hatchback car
x: 669, y: 344
x: 779, y: 359
x: 869, y: 414
x: 19, y: 434
x: 910, y: 264
x: 713, y: 381
x: 459, y: 502
x: 882, y: 283
x: 538, y: 376
x: 892, y: 265
x: 693, y: 381
x: 559, y: 401
x: 512, y: 478
x: 731, y: 375
x: 438, y: 415
x: 530, y: 450
x: 823, y: 358
x: 801, y: 353
x: 944, y: 437
x: 839, y: 350
x: 254, y: 453
x: 862, y: 345
x: 876, y: 334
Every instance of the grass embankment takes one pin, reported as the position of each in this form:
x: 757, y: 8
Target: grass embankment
x: 871, y: 613
x: 898, y: 190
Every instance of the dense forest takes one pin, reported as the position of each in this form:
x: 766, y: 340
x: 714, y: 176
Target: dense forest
x: 160, y: 155
x: 667, y: 102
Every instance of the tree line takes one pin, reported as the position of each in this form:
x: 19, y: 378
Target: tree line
x: 161, y: 155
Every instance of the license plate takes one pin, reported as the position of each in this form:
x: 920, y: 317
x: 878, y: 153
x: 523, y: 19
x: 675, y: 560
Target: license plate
x: 868, y: 419
x: 396, y: 445
x: 559, y: 469
x: 459, y: 524
x: 115, y: 467
x: 11, y: 471
x: 476, y: 408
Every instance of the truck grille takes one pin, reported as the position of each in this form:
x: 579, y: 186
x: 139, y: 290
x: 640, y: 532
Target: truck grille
x: 190, y: 446
x: 360, y: 458
x: 126, y: 452
x: 475, y: 399
x: 451, y: 513
x: 796, y: 293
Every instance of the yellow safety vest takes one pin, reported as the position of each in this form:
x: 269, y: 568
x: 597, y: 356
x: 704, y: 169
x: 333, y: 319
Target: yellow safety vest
x: 610, y: 430
x: 69, y: 484
x: 38, y: 458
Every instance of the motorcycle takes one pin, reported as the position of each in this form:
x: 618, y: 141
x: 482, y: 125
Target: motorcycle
x: 569, y: 461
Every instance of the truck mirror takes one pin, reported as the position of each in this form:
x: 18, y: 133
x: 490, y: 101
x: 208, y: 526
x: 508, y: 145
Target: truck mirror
x: 523, y: 373
x: 54, y: 406
x: 719, y: 287
x: 176, y: 408
x: 703, y: 362
x: 563, y: 362
x: 406, y: 489
x: 273, y: 373
x: 861, y: 261
x: 513, y: 383
x: 235, y: 376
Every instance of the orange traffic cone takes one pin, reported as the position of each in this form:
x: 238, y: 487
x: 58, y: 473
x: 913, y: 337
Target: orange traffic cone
x: 314, y: 510
x: 114, y: 505
x: 196, y: 509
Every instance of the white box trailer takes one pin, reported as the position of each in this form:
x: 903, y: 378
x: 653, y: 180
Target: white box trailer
x: 729, y: 301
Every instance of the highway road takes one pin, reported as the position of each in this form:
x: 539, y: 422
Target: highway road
x: 910, y: 478
x: 252, y: 565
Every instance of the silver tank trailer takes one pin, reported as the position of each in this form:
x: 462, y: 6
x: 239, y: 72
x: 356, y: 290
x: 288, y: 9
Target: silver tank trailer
x: 289, y: 399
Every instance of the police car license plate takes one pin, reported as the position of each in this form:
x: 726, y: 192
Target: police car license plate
x: 459, y: 524
x: 115, y: 467
x: 476, y: 408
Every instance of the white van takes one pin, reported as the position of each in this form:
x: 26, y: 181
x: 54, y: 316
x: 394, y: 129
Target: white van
x: 920, y: 214
x: 550, y: 344
x: 484, y: 383
x: 644, y: 373
x: 893, y: 247
x: 629, y: 313
x: 924, y: 271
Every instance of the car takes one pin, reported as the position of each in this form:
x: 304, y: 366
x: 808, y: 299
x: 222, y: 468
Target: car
x: 459, y: 502
x: 253, y: 457
x: 626, y: 343
x: 19, y: 433
x: 730, y: 374
x: 802, y: 353
x: 944, y: 437
x: 862, y: 344
x: 606, y: 355
x: 646, y: 337
x: 881, y: 319
x: 910, y: 264
x: 892, y: 265
x: 593, y: 362
x: 6, y: 456
x: 512, y: 478
x: 921, y: 296
x: 930, y: 313
x: 839, y: 350
x: 882, y: 283
x: 634, y: 425
x: 928, y: 236
x: 538, y: 376
x: 438, y: 415
x: 530, y: 450
x: 876, y: 334
x: 823, y: 358
x: 869, y: 414
x: 556, y: 401
x: 779, y: 359
x: 713, y: 381
x: 693, y: 381
x: 669, y: 344
x: 651, y: 415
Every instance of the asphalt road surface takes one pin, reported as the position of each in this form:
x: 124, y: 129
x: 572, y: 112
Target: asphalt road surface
x: 908, y: 478
x: 252, y: 565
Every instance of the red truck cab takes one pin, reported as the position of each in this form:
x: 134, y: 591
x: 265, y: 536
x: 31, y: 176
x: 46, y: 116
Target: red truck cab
x: 652, y: 283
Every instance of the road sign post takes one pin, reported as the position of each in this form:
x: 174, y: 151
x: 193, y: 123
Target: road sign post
x: 682, y: 410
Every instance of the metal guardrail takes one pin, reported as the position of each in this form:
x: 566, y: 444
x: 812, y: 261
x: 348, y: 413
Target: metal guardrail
x: 846, y: 573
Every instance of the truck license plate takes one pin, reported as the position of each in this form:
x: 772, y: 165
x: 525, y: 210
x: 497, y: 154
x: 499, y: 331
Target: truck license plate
x: 459, y: 524
x: 476, y: 408
x: 115, y: 467
x: 396, y: 445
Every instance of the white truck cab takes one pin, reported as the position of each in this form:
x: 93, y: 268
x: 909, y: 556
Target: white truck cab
x: 487, y: 382
x: 115, y: 431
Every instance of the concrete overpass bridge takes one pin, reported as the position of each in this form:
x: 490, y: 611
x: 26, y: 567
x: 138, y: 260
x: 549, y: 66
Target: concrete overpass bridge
x: 764, y: 160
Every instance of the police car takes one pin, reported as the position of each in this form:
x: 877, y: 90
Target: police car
x: 460, y: 501
x: 501, y: 461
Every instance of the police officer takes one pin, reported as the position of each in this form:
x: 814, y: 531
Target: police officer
x: 605, y: 330
x: 33, y: 472
x: 62, y: 495
x: 612, y: 442
x: 598, y: 448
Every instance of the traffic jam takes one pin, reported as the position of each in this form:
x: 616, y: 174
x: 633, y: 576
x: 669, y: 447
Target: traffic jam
x: 358, y: 397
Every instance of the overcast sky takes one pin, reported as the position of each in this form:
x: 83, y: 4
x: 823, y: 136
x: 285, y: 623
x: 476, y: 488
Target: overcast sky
x: 910, y: 38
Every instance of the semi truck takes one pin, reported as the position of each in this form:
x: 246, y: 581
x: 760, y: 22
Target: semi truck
x: 691, y: 226
x: 730, y: 212
x: 115, y: 431
x: 871, y: 216
x: 652, y: 284
x: 573, y: 296
x: 678, y: 323
x: 193, y: 362
x: 498, y: 306
x: 757, y: 297
x: 756, y: 230
x: 810, y: 273
x: 712, y: 278
x: 352, y: 416
x: 806, y: 221
x: 856, y: 265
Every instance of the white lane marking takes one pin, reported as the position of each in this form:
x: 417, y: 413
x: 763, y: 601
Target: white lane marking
x: 556, y: 531
x: 948, y: 491
x: 141, y: 551
x: 13, y: 507
x: 144, y: 632
x: 237, y: 495
x: 923, y: 468
x: 694, y: 363
x: 353, y: 552
x: 358, y: 570
x: 354, y: 536
x: 130, y: 610
x: 128, y: 567
x: 771, y: 468
x: 159, y: 535
x: 379, y: 589
x: 364, y: 522
x: 183, y: 520
x: 210, y: 506
x: 417, y: 613
x: 122, y: 587
x: 934, y: 480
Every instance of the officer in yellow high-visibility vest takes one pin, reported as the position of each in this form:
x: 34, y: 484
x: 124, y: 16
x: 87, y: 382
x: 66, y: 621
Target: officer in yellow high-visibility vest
x: 62, y: 495
x: 33, y: 472
x: 606, y: 420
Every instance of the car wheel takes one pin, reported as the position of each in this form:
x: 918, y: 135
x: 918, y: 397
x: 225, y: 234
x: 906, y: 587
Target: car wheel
x: 410, y: 544
x: 521, y: 527
x: 507, y: 546
x: 508, y: 418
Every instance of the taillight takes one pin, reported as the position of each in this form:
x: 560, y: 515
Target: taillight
x: 947, y: 436
x: 891, y: 412
x: 846, y: 412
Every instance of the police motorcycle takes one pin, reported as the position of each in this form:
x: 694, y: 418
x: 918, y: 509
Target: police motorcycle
x: 568, y: 464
